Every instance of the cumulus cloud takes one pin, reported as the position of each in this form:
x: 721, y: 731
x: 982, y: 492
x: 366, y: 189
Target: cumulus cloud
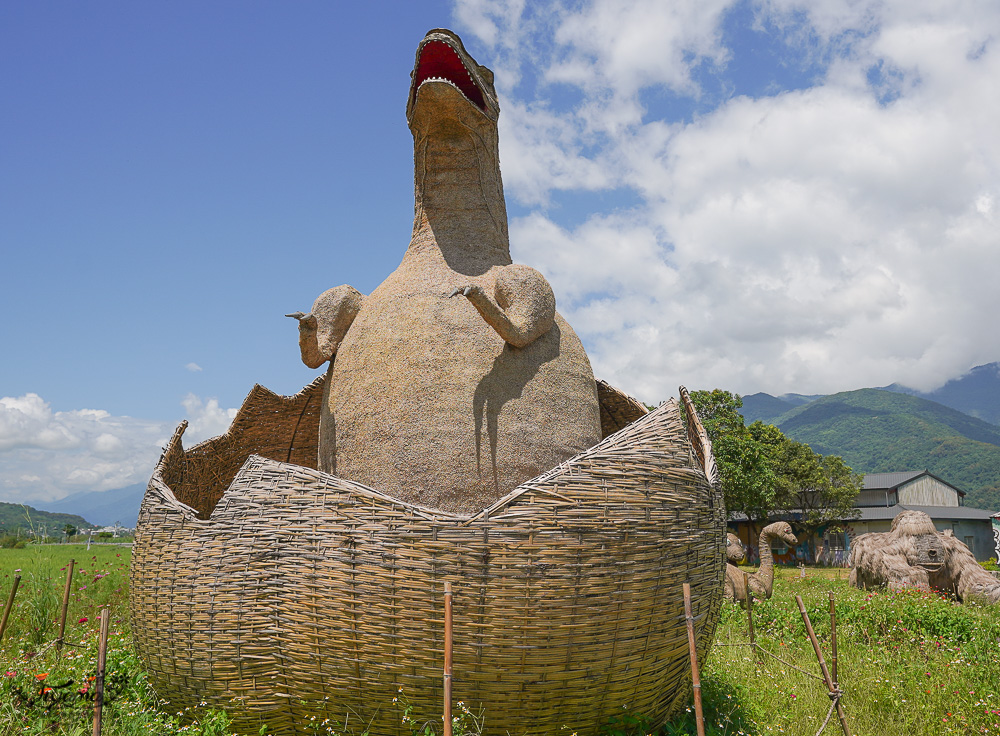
x: 829, y: 237
x: 46, y: 455
x: 193, y: 367
x: 205, y: 418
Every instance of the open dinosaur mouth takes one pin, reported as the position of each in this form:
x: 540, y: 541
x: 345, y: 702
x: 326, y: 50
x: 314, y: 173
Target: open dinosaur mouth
x: 439, y: 62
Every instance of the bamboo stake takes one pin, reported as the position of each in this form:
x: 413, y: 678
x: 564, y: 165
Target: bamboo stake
x: 447, y: 659
x: 833, y: 640
x: 65, y: 605
x: 102, y: 652
x: 822, y: 665
x: 692, y: 650
x: 753, y: 642
x: 10, y: 605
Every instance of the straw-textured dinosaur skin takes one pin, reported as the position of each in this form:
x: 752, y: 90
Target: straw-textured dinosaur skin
x: 457, y: 380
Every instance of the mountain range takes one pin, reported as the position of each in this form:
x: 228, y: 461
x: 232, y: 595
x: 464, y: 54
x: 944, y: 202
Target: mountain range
x: 104, y: 508
x: 954, y: 431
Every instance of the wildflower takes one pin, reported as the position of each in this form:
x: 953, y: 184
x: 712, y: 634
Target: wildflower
x: 41, y: 676
x: 82, y: 620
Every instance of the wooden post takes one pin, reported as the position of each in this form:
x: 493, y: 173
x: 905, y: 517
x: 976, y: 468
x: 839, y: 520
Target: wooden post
x: 753, y: 641
x: 822, y: 664
x: 102, y: 653
x: 833, y: 640
x: 447, y: 659
x: 692, y: 651
x: 65, y: 605
x: 9, y: 605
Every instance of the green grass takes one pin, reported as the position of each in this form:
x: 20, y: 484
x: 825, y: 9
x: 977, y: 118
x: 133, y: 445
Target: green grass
x: 910, y: 664
x: 45, y: 692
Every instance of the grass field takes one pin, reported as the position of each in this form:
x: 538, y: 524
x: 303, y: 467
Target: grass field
x: 910, y: 664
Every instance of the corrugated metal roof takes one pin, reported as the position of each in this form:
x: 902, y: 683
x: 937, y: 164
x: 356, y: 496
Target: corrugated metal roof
x: 888, y: 513
x: 892, y: 481
x: 886, y: 481
x: 949, y: 513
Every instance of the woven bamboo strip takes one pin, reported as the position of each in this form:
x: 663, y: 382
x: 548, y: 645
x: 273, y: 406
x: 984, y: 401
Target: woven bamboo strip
x: 295, y: 593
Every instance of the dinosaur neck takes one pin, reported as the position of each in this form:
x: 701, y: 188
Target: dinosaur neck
x: 765, y: 575
x: 459, y: 207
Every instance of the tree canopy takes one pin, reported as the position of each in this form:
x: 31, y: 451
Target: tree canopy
x: 763, y: 472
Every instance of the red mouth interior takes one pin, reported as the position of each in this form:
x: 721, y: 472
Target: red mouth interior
x: 438, y: 59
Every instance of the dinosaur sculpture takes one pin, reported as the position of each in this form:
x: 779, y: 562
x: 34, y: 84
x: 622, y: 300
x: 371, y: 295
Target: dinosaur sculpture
x: 451, y: 382
x: 762, y: 581
x: 914, y: 554
x: 734, y: 549
x: 442, y: 401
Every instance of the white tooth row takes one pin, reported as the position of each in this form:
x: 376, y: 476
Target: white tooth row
x: 446, y: 81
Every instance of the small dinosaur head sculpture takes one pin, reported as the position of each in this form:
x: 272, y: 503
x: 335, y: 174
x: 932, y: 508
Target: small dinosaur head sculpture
x: 448, y: 87
x: 734, y: 549
x: 781, y: 530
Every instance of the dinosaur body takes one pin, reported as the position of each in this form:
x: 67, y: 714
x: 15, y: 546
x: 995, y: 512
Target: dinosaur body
x: 457, y: 380
x: 762, y: 581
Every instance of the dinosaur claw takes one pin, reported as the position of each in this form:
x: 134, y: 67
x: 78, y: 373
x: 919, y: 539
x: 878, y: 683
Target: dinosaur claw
x: 296, y: 315
x: 454, y: 292
x: 467, y: 291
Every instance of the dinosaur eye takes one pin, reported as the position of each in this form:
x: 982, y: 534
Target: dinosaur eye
x: 932, y: 553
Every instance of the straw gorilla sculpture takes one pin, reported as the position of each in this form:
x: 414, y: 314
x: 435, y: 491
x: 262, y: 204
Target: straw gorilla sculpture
x: 914, y: 554
x: 292, y: 568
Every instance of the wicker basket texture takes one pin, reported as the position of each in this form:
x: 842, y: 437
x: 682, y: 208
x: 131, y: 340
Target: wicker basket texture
x: 282, y: 593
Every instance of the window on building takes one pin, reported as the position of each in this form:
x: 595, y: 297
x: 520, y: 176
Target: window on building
x: 836, y: 541
x: 970, y: 542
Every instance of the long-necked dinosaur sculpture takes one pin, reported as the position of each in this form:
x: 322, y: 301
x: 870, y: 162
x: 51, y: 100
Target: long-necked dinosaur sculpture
x: 762, y: 581
x: 352, y: 505
x: 451, y: 402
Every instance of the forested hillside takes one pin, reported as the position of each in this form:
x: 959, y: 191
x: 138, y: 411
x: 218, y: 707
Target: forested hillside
x: 879, y: 431
x: 15, y: 516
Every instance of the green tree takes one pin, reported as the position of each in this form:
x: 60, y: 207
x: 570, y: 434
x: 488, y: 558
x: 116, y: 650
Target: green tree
x: 69, y: 530
x: 820, y: 488
x: 745, y: 459
x: 764, y: 472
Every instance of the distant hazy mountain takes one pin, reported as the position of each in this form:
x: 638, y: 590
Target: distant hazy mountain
x: 15, y: 516
x: 766, y: 407
x: 104, y: 508
x: 878, y: 431
x: 977, y: 393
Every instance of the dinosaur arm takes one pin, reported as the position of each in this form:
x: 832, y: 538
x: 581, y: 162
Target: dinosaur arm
x: 323, y: 329
x: 523, y: 307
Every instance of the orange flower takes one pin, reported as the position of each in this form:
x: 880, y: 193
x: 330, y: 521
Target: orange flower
x: 41, y: 676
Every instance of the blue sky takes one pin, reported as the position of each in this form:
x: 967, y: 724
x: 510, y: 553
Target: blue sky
x: 776, y: 195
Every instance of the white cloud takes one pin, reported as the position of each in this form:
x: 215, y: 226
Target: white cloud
x: 193, y: 367
x: 46, y: 455
x: 205, y: 418
x: 828, y: 238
